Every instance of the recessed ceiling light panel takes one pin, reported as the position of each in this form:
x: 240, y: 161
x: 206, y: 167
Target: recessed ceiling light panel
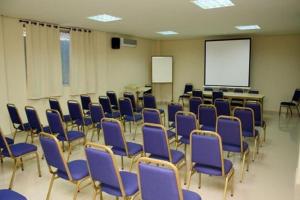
x: 209, y: 4
x: 167, y: 32
x: 104, y: 18
x: 248, y: 27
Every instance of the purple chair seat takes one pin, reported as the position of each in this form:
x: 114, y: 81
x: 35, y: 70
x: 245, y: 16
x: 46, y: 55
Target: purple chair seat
x: 26, y: 127
x: 10, y: 195
x: 9, y: 140
x: 72, y: 135
x: 161, y: 110
x: 176, y: 156
x: 87, y: 121
x: 20, y: 149
x: 208, y: 128
x: 133, y: 149
x: 189, y: 195
x: 235, y: 148
x: 260, y: 123
x: 78, y: 170
x: 114, y: 114
x: 184, y: 140
x: 130, y: 183
x: 47, y: 129
x: 250, y: 134
x: 288, y: 103
x: 171, y: 134
x: 211, y: 170
x: 67, y: 118
x: 135, y: 117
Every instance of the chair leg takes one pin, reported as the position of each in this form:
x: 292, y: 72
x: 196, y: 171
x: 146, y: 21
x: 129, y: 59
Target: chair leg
x: 38, y: 164
x: 14, y: 135
x: 242, y: 167
x: 265, y: 133
x: 13, y: 174
x: 22, y: 164
x: 98, y: 133
x: 226, y: 186
x: 77, y: 190
x: 135, y: 130
x: 298, y: 110
x: 70, y: 151
x: 50, y: 186
x: 122, y: 162
x: 199, y: 181
x: 189, y: 178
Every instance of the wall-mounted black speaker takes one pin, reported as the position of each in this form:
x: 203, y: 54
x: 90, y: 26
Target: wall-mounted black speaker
x: 115, y: 43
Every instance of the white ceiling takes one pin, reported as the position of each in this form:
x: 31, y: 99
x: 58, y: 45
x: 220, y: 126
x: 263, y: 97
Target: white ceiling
x: 145, y: 17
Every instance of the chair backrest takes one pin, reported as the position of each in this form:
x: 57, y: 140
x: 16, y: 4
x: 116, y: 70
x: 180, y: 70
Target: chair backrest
x: 151, y: 115
x: 55, y: 105
x: 194, y: 103
x: 33, y: 119
x: 158, y: 180
x: 155, y: 140
x: 85, y: 101
x: 97, y: 113
x: 296, y: 96
x: 257, y: 110
x: 207, y: 115
x: 206, y: 149
x: 217, y: 95
x: 230, y: 130
x: 197, y: 93
x: 246, y: 115
x: 222, y: 107
x: 75, y: 110
x: 186, y: 122
x: 102, y: 166
x: 14, y: 115
x: 4, y: 144
x: 149, y: 101
x: 113, y: 133
x: 125, y: 107
x: 55, y: 122
x: 188, y: 88
x: 130, y: 95
x: 53, y: 154
x: 105, y: 103
x: 113, y: 98
x: 173, y: 108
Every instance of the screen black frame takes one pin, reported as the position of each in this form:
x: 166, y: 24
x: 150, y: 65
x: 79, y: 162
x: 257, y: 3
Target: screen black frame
x: 249, y: 71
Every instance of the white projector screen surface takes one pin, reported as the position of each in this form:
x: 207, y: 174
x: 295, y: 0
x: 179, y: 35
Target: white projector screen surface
x: 227, y: 62
x: 162, y: 69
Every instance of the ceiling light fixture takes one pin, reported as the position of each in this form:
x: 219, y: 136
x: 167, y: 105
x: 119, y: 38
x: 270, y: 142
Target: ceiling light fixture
x: 248, y: 27
x: 167, y: 32
x: 104, y: 18
x: 209, y: 4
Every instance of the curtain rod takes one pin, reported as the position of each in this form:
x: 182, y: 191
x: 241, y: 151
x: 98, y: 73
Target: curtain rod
x: 54, y: 25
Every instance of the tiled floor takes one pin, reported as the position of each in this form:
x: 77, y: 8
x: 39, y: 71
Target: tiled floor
x: 271, y: 176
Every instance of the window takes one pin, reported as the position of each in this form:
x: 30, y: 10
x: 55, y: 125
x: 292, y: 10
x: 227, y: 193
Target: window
x: 65, y: 57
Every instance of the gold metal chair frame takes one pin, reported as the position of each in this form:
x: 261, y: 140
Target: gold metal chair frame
x: 162, y: 164
x: 18, y: 161
x: 132, y: 157
x: 96, y: 184
x: 228, y: 177
x: 244, y: 154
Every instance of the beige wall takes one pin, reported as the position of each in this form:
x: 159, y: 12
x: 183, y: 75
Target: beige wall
x: 275, y: 68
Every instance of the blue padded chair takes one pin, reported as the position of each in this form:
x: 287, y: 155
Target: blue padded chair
x: 35, y: 123
x: 217, y: 95
x: 207, y: 116
x: 114, y: 137
x: 222, y: 107
x: 16, y: 120
x: 291, y: 104
x: 258, y: 115
x: 185, y: 122
x: 155, y: 140
x: 173, y: 108
x: 10, y: 195
x: 113, y: 99
x: 85, y: 104
x: 77, y: 116
x: 197, y: 93
x: 230, y: 130
x: 152, y: 116
x: 57, y: 128
x: 194, y: 104
x: 107, y: 108
x: 17, y: 152
x: 128, y: 115
x: 55, y: 105
x: 160, y: 180
x: 188, y: 89
x: 207, y: 158
x: 105, y: 174
x: 136, y: 108
x: 246, y: 115
x: 150, y: 102
x: 97, y: 114
x: 75, y: 171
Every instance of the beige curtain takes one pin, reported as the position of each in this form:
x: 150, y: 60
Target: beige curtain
x: 44, y: 73
x: 82, y: 65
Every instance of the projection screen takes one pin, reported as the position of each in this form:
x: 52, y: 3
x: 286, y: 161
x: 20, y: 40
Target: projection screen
x: 227, y: 62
